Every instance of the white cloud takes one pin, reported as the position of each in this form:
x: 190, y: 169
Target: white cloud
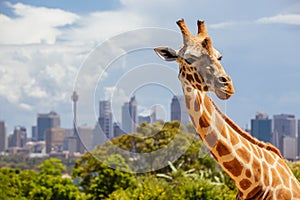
x: 222, y: 25
x: 293, y: 19
x: 33, y: 24
x: 25, y: 106
x: 99, y: 26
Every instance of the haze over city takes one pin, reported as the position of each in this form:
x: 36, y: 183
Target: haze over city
x: 44, y: 45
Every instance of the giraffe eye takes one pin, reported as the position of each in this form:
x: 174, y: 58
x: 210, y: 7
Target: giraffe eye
x: 190, y: 60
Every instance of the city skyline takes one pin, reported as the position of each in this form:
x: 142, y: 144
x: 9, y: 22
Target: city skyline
x: 39, y: 65
x: 282, y: 130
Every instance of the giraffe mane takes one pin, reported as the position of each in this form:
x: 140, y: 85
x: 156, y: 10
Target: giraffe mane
x: 244, y: 134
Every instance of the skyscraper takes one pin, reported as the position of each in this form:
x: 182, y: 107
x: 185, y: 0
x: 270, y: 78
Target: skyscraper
x: 2, y: 136
x: 105, y: 118
x: 129, y: 116
x: 178, y: 110
x: 46, y: 121
x: 19, y: 137
x: 284, y: 126
x: 261, y: 127
x: 54, y: 138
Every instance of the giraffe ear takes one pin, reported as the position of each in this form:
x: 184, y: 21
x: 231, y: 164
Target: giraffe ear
x: 166, y: 53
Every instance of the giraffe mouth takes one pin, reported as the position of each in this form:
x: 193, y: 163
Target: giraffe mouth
x: 223, y: 94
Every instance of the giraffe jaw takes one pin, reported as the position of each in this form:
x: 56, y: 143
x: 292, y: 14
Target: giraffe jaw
x: 223, y: 94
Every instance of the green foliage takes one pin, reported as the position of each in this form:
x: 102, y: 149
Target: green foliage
x: 179, y: 188
x: 46, y: 184
x: 295, y: 167
x: 194, y: 175
x: 98, y: 179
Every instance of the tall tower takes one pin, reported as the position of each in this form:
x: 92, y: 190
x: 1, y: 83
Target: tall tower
x: 74, y: 98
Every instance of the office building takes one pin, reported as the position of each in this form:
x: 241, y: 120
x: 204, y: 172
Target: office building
x: 54, y: 138
x: 178, y: 110
x: 105, y: 118
x: 289, y: 148
x: 34, y: 133
x: 18, y: 138
x: 261, y: 127
x: 129, y: 116
x: 284, y: 125
x: 117, y: 130
x: 3, y: 138
x: 46, y: 121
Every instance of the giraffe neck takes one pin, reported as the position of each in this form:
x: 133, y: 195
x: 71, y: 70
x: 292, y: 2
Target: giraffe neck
x: 253, y: 165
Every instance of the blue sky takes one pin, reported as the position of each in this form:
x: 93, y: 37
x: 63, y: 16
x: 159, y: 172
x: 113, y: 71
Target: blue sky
x: 45, y: 43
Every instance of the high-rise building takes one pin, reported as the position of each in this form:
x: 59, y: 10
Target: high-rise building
x: 284, y: 125
x: 2, y: 136
x: 117, y: 130
x: 54, y: 138
x: 34, y: 133
x: 105, y: 118
x: 178, y: 110
x: 129, y: 116
x: 46, y: 121
x: 289, y: 148
x: 261, y: 127
x: 18, y: 138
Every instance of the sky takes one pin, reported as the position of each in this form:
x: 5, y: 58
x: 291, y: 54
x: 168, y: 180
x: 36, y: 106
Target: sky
x: 103, y: 50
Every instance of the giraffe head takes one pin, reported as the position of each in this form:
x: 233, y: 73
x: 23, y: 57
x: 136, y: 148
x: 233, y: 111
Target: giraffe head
x: 199, y: 62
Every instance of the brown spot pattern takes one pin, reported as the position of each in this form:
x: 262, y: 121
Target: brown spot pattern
x: 198, y: 78
x: 248, y: 173
x: 255, y: 193
x: 283, y: 194
x: 223, y: 148
x: 266, y: 173
x: 245, y: 184
x: 256, y: 169
x: 190, y: 78
x: 244, y: 154
x: 284, y: 175
x: 208, y: 105
x: 275, y: 178
x: 211, y: 139
x: 223, y: 131
x: 204, y: 121
x: 187, y: 101
x: 234, y: 139
x: 234, y: 167
x: 268, y: 158
x: 196, y: 106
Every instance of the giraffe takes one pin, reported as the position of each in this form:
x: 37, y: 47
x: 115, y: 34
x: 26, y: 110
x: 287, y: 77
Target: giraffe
x: 257, y: 168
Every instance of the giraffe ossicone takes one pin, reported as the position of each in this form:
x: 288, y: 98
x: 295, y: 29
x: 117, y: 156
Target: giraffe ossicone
x: 257, y: 168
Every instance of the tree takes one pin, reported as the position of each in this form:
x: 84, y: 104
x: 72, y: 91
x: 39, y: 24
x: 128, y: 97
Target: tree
x: 99, y: 179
